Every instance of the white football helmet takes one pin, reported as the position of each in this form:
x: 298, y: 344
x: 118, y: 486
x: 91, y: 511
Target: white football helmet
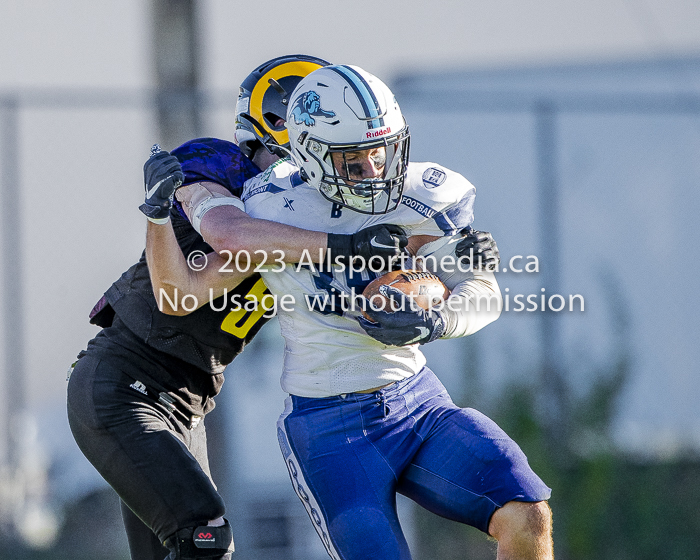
x: 335, y: 112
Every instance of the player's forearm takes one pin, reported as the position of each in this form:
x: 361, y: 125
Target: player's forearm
x: 219, y: 218
x: 228, y: 229
x: 167, y: 267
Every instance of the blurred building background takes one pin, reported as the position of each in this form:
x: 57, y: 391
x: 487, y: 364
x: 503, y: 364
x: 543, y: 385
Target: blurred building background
x: 578, y: 123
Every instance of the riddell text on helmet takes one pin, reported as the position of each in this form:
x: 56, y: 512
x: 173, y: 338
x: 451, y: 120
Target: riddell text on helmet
x: 377, y: 132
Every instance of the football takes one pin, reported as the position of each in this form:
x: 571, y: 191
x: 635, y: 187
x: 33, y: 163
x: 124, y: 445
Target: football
x: 426, y: 289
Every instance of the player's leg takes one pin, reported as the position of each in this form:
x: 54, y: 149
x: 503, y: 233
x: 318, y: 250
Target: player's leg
x: 143, y: 543
x: 469, y: 470
x: 157, y: 466
x: 523, y: 531
x: 343, y: 480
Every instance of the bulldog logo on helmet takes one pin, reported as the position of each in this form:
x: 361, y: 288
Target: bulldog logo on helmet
x: 307, y: 106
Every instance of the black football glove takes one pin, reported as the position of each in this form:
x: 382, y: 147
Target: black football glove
x: 162, y: 175
x: 410, y: 324
x: 386, y: 241
x: 479, y: 249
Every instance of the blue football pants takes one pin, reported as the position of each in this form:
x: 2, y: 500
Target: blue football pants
x: 349, y: 455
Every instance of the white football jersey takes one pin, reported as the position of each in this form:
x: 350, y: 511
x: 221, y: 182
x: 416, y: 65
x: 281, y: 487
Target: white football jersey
x: 327, y: 352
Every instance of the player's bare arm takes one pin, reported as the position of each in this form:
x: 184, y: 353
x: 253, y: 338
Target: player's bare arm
x: 226, y: 227
x: 220, y: 219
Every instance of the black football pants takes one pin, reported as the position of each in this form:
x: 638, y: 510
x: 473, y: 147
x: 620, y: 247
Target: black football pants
x: 155, y: 463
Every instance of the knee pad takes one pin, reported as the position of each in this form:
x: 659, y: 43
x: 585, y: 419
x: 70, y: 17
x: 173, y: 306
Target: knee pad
x: 203, y: 542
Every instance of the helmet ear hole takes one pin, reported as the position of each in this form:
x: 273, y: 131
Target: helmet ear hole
x: 272, y: 119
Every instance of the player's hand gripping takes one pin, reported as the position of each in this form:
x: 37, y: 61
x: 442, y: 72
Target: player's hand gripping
x: 479, y: 249
x: 409, y: 324
x: 162, y: 176
x: 386, y: 241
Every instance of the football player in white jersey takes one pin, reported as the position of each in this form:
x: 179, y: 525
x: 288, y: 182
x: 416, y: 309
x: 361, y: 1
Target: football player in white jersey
x: 365, y: 418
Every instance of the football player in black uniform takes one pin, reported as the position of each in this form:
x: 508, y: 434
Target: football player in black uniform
x: 139, y: 392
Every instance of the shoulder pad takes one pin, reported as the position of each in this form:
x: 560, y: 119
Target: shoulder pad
x: 432, y: 182
x: 218, y: 161
x: 443, y: 195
